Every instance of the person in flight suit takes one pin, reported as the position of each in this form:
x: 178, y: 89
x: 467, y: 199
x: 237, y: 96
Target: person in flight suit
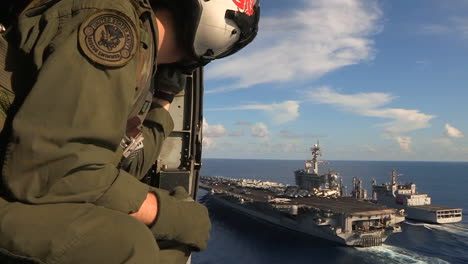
x: 84, y: 95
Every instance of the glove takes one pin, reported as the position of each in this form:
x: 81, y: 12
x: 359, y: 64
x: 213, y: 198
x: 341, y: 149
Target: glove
x: 173, y: 254
x: 170, y: 78
x: 181, y: 219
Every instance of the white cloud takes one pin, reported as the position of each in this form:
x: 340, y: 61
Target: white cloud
x: 463, y: 149
x: 404, y: 142
x: 355, y: 102
x: 453, y: 132
x: 243, y: 123
x: 287, y: 133
x: 402, y: 121
x: 306, y: 43
x: 455, y: 25
x: 259, y: 130
x: 291, y: 147
x: 279, y: 112
x: 449, y: 144
x: 461, y: 25
x: 213, y: 131
x: 370, y: 104
x: 237, y: 133
x: 435, y: 29
x: 208, y: 143
x: 446, y: 140
x: 443, y: 142
x: 370, y: 149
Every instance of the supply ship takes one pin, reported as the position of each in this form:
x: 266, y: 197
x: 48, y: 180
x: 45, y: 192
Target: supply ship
x: 417, y: 206
x: 317, y: 206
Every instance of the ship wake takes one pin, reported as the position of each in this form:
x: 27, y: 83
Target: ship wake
x: 458, y: 229
x: 392, y: 254
x: 451, y: 240
x: 455, y: 229
x: 427, y: 226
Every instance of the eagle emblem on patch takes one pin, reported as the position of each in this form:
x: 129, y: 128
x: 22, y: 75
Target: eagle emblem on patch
x: 109, y: 38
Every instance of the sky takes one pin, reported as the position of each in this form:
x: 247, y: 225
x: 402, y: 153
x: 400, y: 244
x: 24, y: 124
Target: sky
x: 368, y: 79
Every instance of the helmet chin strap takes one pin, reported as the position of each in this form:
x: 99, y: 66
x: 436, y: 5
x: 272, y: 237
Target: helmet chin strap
x: 207, y: 57
x: 189, y: 65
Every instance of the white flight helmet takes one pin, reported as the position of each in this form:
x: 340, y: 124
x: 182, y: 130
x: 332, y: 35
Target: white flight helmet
x: 218, y: 28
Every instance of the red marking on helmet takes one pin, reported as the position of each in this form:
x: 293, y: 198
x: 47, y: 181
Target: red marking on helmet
x: 245, y: 6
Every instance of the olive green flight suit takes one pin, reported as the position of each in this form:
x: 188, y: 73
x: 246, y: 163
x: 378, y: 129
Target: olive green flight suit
x: 65, y: 200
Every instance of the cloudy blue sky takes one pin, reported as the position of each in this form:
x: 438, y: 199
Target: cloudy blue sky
x: 371, y: 80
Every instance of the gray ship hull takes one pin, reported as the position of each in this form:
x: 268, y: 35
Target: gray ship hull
x: 428, y: 213
x: 306, y: 223
x: 417, y: 206
x: 283, y: 222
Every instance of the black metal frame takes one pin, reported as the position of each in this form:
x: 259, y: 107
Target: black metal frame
x: 180, y: 161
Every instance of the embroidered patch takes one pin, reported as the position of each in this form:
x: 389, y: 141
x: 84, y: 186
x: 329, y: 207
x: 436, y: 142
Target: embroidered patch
x: 109, y: 38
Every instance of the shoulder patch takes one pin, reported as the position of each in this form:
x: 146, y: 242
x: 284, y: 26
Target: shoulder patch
x: 109, y: 38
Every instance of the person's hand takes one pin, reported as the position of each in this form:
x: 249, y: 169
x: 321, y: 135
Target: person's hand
x: 181, y: 219
x: 169, y: 79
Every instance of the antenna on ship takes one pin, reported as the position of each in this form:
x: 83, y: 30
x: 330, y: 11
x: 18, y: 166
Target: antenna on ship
x: 394, y: 177
x: 315, y: 153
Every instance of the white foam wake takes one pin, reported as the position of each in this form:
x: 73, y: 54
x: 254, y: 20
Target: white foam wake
x: 458, y: 229
x: 419, y: 224
x: 391, y: 254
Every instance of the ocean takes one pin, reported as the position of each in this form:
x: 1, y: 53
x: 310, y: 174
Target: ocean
x: 236, y: 238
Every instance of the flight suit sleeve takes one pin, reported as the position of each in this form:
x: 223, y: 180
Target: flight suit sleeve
x: 65, y: 137
x: 157, y: 125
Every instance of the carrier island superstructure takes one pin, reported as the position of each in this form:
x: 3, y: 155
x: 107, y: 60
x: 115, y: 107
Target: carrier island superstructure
x: 316, y: 206
x: 417, y: 206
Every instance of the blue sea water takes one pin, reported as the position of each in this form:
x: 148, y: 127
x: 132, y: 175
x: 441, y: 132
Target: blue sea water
x: 236, y: 238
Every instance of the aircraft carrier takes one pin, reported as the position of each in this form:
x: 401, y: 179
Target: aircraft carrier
x: 316, y: 206
x: 417, y: 206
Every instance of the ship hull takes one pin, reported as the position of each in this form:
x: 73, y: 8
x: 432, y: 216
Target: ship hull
x: 417, y: 206
x: 434, y: 214
x: 303, y: 224
x: 427, y: 213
